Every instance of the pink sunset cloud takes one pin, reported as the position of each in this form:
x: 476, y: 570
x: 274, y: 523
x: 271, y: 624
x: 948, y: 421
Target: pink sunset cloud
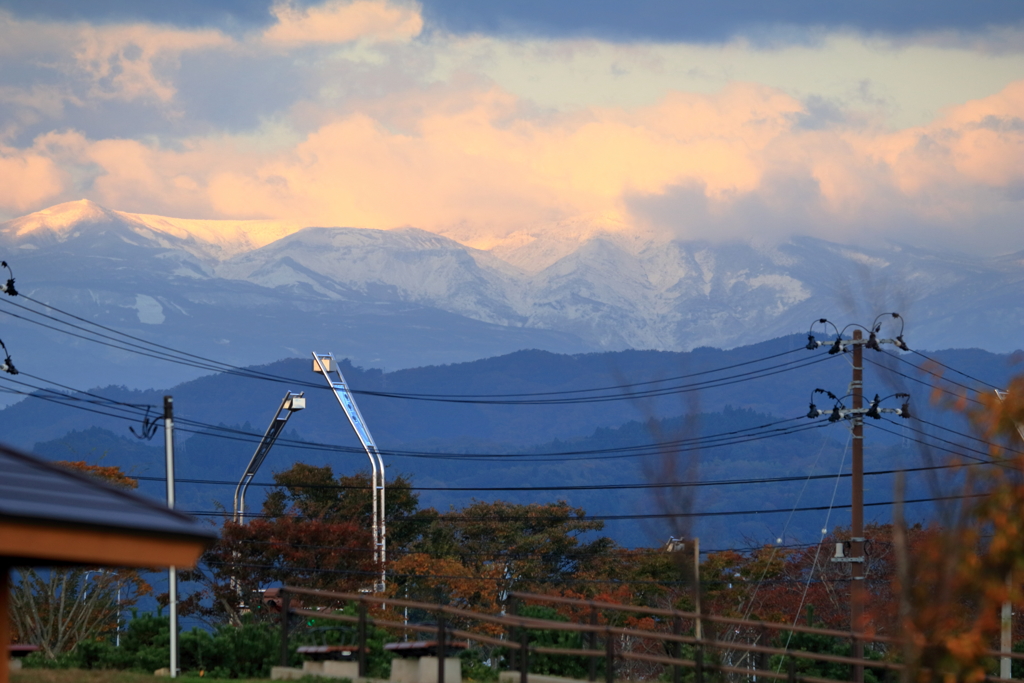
x: 469, y: 158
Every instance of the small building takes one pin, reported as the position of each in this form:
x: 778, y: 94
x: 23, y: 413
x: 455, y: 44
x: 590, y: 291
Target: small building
x: 50, y: 516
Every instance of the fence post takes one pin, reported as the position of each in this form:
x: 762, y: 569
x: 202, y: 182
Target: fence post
x: 513, y: 609
x: 361, y: 634
x: 698, y: 660
x: 856, y: 672
x: 677, y: 630
x: 791, y: 671
x: 524, y: 654
x: 286, y: 607
x: 441, y: 652
x: 592, y: 641
x: 609, y: 657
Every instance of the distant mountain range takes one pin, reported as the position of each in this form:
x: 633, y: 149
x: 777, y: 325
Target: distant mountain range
x: 446, y: 447
x: 250, y: 292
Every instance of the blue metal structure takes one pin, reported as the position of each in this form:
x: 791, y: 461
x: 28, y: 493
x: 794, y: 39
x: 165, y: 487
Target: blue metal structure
x: 325, y: 364
x: 291, y: 403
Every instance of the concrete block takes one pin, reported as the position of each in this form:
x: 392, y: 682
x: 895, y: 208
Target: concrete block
x: 15, y: 665
x: 312, y: 668
x: 405, y: 671
x: 428, y: 670
x: 513, y: 677
x: 286, y: 673
x: 335, y: 669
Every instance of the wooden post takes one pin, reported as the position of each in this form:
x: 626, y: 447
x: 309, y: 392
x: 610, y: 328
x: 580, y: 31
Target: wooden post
x: 513, y: 608
x: 286, y: 607
x: 698, y: 660
x: 592, y: 637
x: 361, y: 633
x: 609, y: 657
x: 441, y: 653
x: 5, y: 622
x: 524, y: 654
x: 677, y: 629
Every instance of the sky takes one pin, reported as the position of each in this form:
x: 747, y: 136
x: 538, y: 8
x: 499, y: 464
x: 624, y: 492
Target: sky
x: 498, y: 121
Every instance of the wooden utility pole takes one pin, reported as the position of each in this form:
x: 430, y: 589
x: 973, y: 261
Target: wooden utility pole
x: 857, y: 557
x: 857, y: 481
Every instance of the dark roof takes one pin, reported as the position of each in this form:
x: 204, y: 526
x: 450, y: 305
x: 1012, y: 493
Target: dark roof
x: 33, y: 490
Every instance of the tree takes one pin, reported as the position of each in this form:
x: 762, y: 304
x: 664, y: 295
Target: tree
x: 57, y: 609
x: 525, y: 547
x: 313, y: 531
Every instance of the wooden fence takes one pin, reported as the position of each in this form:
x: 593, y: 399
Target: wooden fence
x: 744, y: 656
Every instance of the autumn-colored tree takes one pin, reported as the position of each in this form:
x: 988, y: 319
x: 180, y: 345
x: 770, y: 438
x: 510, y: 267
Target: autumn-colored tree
x: 533, y: 547
x: 313, y: 531
x: 57, y: 609
x: 953, y: 581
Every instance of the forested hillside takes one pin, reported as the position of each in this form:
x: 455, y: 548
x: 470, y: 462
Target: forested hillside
x: 526, y: 427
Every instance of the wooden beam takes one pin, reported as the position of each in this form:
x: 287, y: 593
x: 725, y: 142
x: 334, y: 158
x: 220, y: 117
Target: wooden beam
x: 27, y: 543
x: 5, y: 622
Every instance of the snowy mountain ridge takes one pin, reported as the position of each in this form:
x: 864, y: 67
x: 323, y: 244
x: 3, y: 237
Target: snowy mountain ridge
x: 231, y: 285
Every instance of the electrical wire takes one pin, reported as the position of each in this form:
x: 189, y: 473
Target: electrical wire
x: 193, y: 360
x: 920, y: 381
x: 709, y: 441
x: 817, y: 552
x: 579, y: 487
x: 959, y: 372
x: 616, y: 518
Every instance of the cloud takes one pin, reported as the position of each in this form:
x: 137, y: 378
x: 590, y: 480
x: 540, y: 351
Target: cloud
x: 32, y: 178
x: 125, y: 61
x: 52, y: 64
x: 343, y: 21
x: 477, y: 165
x: 672, y: 21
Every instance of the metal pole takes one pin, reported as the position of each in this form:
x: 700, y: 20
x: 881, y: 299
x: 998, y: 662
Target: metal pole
x: 325, y: 364
x: 172, y: 574
x: 697, y: 630
x: 857, y: 482
x: 1006, y: 627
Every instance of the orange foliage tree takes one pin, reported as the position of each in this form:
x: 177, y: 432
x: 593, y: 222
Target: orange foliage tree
x: 953, y: 581
x: 313, y: 531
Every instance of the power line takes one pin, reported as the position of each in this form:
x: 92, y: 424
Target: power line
x: 959, y: 372
x: 920, y: 381
x: 735, y: 437
x: 577, y: 487
x: 160, y: 352
x: 617, y: 518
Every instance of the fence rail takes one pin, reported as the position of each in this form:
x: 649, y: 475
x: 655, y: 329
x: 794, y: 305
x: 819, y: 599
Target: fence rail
x: 710, y: 654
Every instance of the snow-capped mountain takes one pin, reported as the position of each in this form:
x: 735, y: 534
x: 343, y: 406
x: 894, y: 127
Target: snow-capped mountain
x: 256, y: 291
